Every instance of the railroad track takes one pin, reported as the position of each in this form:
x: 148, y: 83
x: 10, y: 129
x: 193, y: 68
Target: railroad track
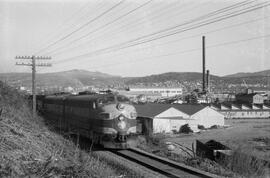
x: 161, y: 165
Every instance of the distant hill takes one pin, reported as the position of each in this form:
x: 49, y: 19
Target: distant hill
x: 170, y: 76
x: 187, y: 80
x: 74, y: 78
x: 249, y: 74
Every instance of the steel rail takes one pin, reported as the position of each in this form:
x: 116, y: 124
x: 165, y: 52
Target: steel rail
x: 162, y: 165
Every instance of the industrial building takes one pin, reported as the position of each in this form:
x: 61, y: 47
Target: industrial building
x: 164, y: 91
x: 134, y: 95
x: 243, y: 111
x: 166, y: 118
x: 253, y: 98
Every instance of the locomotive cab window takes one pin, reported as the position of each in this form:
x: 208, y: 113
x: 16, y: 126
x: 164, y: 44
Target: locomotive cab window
x: 106, y: 100
x: 121, y: 98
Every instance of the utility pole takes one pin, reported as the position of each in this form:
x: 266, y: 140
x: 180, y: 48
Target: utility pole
x: 34, y: 65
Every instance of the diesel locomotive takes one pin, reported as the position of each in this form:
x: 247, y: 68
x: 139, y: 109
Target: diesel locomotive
x: 107, y: 119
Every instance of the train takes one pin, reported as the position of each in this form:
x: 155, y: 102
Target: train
x: 107, y: 119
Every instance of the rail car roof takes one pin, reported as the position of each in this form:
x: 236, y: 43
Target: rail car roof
x: 54, y: 99
x: 75, y: 98
x: 87, y: 97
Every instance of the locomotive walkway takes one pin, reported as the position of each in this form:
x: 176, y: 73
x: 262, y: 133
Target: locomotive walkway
x: 161, y: 165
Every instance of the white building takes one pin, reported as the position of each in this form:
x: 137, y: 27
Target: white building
x: 243, y: 111
x: 160, y: 118
x: 135, y: 94
x: 165, y: 92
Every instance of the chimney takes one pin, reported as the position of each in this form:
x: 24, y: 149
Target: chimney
x: 207, y: 80
x: 203, y: 63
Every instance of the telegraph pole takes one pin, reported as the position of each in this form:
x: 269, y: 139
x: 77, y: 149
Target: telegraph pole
x: 34, y: 65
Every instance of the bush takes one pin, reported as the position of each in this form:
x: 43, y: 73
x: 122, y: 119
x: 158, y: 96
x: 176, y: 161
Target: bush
x: 201, y: 127
x: 247, y: 165
x: 29, y: 149
x: 174, y: 131
x: 185, y: 129
x: 214, y: 127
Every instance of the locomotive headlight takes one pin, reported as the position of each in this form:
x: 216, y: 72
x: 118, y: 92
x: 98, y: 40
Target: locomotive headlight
x: 121, y: 118
x: 122, y: 125
x: 133, y: 115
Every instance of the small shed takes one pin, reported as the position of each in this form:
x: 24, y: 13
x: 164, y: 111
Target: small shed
x: 158, y: 118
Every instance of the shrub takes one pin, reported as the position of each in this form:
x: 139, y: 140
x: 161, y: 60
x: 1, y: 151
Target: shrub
x: 214, y: 127
x: 247, y: 165
x: 185, y: 129
x: 201, y: 127
x: 174, y: 131
x: 155, y: 139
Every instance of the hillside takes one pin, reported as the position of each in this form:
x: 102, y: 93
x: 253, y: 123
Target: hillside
x: 249, y: 74
x: 188, y: 80
x: 170, y: 76
x: 29, y: 148
x: 74, y: 78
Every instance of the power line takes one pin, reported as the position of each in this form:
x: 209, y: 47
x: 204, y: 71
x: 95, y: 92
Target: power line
x: 119, y: 46
x: 200, y: 34
x: 50, y: 35
x: 211, y: 31
x: 187, y: 22
x: 54, y: 52
x: 185, y: 51
x: 207, y: 22
x: 83, y: 26
x: 109, y: 23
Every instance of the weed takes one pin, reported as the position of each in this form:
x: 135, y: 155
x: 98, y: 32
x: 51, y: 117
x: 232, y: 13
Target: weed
x: 247, y: 165
x: 29, y: 149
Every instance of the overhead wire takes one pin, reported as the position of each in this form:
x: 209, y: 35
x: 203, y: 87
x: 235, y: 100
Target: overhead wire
x: 200, y: 34
x: 65, y: 21
x: 207, y: 22
x: 129, y: 25
x: 111, y: 22
x: 184, y: 51
x: 114, y: 47
x: 84, y: 25
x: 236, y: 5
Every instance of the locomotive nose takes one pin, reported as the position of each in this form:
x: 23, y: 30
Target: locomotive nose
x: 120, y: 106
x: 121, y: 123
x: 122, y: 138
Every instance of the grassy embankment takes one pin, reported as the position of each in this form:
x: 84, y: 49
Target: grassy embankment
x: 239, y: 165
x: 29, y: 149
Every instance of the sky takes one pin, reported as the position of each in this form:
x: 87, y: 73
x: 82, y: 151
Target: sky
x: 135, y: 38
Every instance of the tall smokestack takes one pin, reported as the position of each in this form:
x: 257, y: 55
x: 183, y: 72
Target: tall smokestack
x: 203, y: 63
x: 208, y: 80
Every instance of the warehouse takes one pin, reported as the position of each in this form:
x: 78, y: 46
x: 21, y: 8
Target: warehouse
x: 253, y: 98
x: 158, y: 118
x: 165, y: 92
x: 243, y: 111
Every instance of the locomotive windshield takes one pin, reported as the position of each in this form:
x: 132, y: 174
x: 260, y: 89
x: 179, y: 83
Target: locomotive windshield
x: 106, y: 100
x: 121, y: 98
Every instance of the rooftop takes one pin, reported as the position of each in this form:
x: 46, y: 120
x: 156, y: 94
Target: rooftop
x: 153, y: 109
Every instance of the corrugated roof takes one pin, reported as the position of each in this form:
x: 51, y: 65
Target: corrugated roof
x: 247, y: 94
x: 189, y: 109
x: 153, y: 109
